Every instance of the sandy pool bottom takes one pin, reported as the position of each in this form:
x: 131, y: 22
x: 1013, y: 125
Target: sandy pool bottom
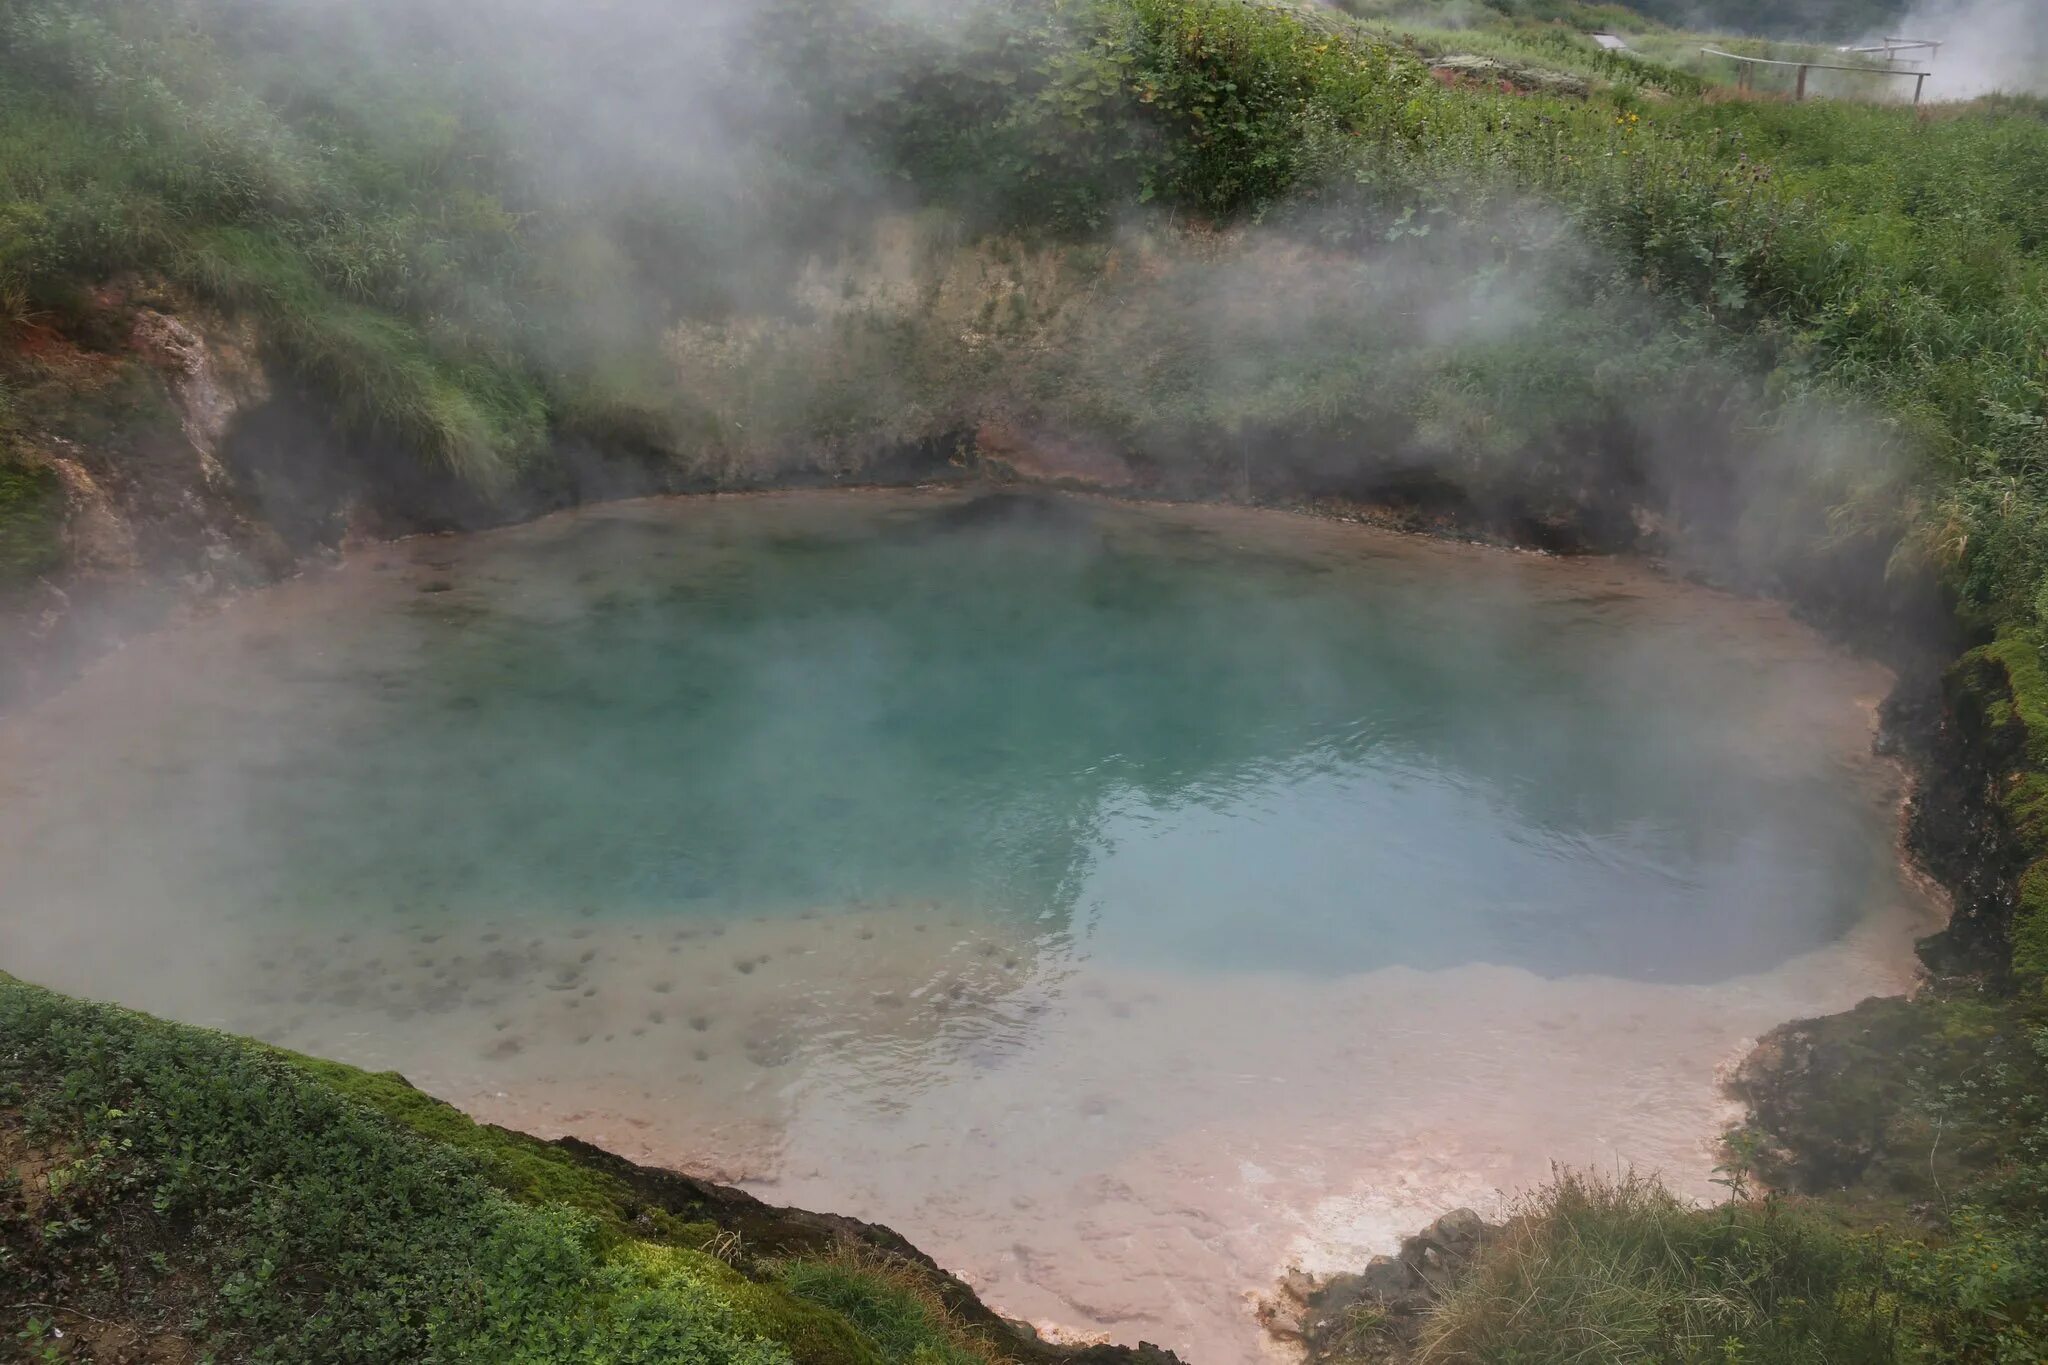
x: 1105, y: 1152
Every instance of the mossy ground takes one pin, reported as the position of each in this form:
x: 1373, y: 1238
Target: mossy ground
x: 31, y: 519
x: 218, y: 1196
x: 1889, y: 1191
x: 523, y: 1167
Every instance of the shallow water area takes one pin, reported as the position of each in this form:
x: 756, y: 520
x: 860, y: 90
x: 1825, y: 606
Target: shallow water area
x: 1122, y: 902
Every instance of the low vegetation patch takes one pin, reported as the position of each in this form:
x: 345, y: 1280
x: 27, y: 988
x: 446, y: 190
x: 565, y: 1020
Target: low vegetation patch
x: 31, y: 520
x: 1618, y: 1270
x: 1842, y: 301
x: 893, y: 1304
x: 207, y: 1195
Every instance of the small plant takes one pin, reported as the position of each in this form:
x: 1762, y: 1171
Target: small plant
x: 728, y: 1246
x: 40, y: 1342
x: 1736, y: 1171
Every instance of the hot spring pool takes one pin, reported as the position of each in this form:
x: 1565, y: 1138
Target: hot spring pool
x: 1121, y: 902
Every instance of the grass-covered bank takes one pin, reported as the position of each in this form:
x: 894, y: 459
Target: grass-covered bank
x: 1615, y: 1269
x: 1797, y: 339
x: 168, y: 1194
x: 1885, y: 1193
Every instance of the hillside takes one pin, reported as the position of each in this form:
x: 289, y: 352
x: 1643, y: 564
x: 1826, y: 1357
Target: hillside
x: 404, y: 254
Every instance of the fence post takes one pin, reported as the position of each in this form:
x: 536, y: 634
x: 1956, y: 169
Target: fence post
x: 1800, y: 93
x: 1922, y: 81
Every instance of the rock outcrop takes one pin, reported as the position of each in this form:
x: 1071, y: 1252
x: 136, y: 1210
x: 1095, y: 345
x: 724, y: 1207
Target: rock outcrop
x: 1377, y: 1314
x: 127, y: 415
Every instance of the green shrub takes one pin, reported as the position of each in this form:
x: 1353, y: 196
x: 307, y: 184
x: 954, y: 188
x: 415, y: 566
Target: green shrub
x: 218, y: 1189
x: 31, y: 520
x: 895, y: 1308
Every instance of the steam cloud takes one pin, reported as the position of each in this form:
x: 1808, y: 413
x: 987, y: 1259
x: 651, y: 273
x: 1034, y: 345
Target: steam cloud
x: 717, y: 230
x: 1987, y: 45
x: 807, y: 289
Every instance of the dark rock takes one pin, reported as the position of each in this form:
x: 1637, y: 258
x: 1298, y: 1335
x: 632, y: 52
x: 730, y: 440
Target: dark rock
x: 1377, y: 1314
x: 1389, y: 1279
x: 1832, y: 1100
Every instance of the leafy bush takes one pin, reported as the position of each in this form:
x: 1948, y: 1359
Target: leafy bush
x: 31, y: 520
x: 898, y: 1311
x: 206, y: 1186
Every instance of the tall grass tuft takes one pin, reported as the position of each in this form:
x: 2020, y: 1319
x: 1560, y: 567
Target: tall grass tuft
x: 1614, y: 1270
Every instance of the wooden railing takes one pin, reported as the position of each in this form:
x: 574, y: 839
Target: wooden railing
x: 1743, y: 77
x: 1893, y: 48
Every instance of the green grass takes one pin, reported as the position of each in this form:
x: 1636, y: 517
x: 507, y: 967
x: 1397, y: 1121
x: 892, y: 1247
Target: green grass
x: 391, y: 241
x: 127, y: 146
x: 896, y: 1309
x: 1551, y: 47
x: 31, y: 521
x: 1831, y: 20
x: 269, y: 1207
x: 390, y: 238
x: 1935, y: 1113
x: 1620, y: 1271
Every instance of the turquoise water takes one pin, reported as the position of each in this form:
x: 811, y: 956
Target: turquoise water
x: 1156, y: 738
x: 1040, y: 877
